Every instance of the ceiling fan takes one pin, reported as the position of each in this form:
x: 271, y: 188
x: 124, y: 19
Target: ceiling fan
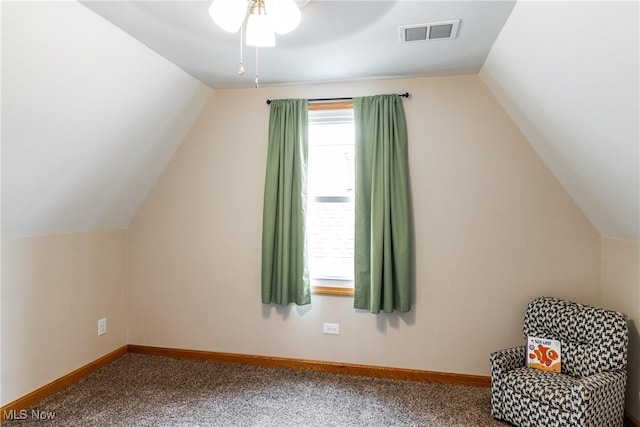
x: 262, y: 19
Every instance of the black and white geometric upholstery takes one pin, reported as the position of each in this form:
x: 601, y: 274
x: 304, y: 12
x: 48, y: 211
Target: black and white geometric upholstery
x: 589, y: 391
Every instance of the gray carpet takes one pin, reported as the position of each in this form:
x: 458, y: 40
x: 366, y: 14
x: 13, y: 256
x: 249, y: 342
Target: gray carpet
x: 140, y: 390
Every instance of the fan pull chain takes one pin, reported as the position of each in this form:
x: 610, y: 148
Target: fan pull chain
x: 257, y: 84
x: 241, y: 69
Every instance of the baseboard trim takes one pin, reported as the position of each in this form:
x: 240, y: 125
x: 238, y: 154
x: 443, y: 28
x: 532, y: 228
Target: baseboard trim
x: 265, y: 361
x: 631, y: 419
x: 47, y: 390
x: 313, y: 365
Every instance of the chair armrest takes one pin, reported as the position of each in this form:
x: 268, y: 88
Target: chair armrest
x: 604, y: 391
x: 503, y: 361
x: 598, y: 385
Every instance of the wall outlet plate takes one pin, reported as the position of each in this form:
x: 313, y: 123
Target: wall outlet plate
x: 102, y: 326
x: 331, y: 328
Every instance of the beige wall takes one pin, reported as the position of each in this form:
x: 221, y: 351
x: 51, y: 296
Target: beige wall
x: 54, y: 290
x: 621, y: 292
x: 493, y: 229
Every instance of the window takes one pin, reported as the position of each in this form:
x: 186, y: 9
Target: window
x: 330, y: 203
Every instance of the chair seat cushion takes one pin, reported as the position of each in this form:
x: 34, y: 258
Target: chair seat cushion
x: 550, y: 388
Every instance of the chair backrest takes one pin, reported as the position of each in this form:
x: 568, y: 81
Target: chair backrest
x: 592, y: 339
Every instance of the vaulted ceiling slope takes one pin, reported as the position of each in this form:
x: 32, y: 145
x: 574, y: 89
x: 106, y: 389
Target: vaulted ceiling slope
x: 90, y: 118
x: 568, y: 74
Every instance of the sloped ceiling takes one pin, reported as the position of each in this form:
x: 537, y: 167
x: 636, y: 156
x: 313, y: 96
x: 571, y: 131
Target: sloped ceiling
x: 568, y: 74
x: 90, y: 118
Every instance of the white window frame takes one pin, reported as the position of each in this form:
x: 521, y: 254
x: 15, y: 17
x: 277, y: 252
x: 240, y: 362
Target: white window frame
x: 319, y: 114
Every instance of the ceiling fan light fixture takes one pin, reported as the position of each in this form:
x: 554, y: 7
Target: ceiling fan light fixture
x: 281, y: 16
x: 285, y: 15
x: 259, y: 31
x: 264, y: 20
x: 228, y: 14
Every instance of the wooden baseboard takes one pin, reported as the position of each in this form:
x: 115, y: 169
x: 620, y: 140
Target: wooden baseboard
x: 59, y: 384
x: 312, y: 365
x: 265, y: 361
x: 630, y: 419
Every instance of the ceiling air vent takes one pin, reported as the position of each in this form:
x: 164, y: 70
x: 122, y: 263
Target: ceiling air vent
x: 426, y: 32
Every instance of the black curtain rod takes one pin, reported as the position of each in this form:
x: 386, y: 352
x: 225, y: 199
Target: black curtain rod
x: 404, y: 95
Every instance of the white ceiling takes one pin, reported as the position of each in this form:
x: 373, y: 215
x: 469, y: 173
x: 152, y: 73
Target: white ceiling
x: 91, y: 116
x: 336, y: 40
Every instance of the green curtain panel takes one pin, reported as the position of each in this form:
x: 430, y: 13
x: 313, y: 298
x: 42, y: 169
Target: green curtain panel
x: 382, y: 238
x: 285, y: 274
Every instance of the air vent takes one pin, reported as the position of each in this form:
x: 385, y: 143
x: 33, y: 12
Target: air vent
x: 426, y: 32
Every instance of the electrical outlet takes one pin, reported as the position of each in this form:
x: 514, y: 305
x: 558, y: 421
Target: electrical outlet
x: 331, y: 328
x: 102, y: 326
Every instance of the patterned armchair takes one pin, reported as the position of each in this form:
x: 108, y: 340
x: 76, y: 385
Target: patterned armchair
x: 590, y: 390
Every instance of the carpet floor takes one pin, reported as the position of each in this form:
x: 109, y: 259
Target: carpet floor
x: 140, y: 390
